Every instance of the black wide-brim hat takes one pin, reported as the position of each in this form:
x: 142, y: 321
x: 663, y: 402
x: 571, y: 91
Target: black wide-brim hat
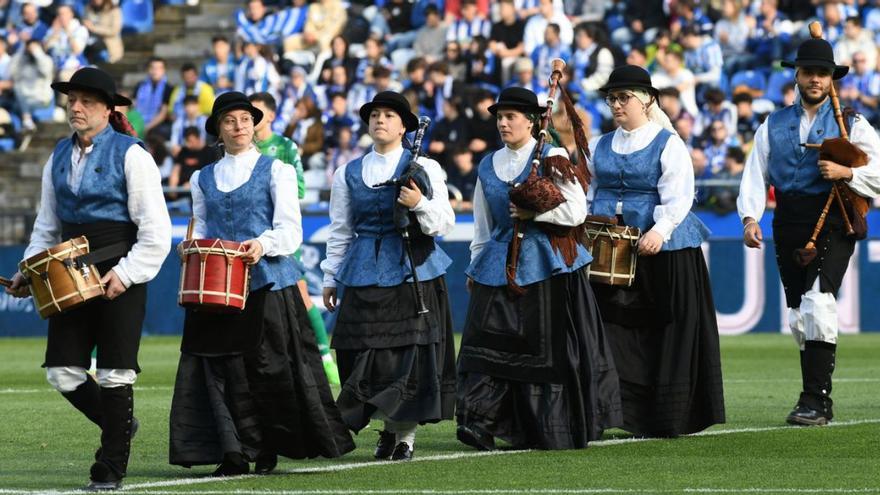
x: 630, y: 77
x: 395, y: 101
x: 232, y: 100
x: 817, y: 53
x: 93, y: 80
x: 517, y: 98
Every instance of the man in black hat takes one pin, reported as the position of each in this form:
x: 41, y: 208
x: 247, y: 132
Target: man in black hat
x: 395, y: 363
x: 803, y: 182
x: 103, y: 184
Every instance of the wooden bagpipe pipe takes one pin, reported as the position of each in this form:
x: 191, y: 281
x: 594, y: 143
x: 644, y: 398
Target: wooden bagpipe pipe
x: 853, y: 207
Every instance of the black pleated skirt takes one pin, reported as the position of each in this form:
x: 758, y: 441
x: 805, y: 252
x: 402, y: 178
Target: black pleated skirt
x: 393, y: 364
x: 537, y: 371
x: 664, y: 337
x: 273, y: 399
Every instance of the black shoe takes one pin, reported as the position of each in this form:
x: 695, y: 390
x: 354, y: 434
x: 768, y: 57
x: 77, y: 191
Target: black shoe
x: 475, y: 437
x: 102, y: 478
x: 135, y: 424
x: 402, y: 452
x: 265, y: 463
x: 385, y: 445
x: 803, y: 415
x: 233, y: 465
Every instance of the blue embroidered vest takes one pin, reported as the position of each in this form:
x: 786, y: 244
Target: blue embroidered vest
x: 632, y: 179
x: 245, y: 213
x: 376, y: 256
x: 537, y: 259
x: 103, y: 193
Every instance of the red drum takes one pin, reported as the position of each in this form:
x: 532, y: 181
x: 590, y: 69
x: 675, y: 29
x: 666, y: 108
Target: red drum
x: 213, y: 277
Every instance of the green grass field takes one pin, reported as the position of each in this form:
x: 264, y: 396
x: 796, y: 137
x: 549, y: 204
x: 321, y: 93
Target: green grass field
x: 46, y: 446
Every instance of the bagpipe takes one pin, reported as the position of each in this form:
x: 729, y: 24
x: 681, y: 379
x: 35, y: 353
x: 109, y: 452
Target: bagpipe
x: 417, y: 244
x: 853, y: 207
x: 539, y: 192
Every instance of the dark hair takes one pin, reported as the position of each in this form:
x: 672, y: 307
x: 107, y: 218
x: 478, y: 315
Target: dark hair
x: 192, y: 131
x: 714, y: 96
x: 188, y: 67
x: 671, y: 91
x: 336, y: 94
x: 789, y: 86
x: 381, y: 71
x: 554, y: 27
x: 431, y: 9
x: 416, y: 63
x: 736, y: 153
x: 190, y: 99
x: 156, y: 59
x: 439, y: 67
x: 742, y: 97
x: 460, y: 149
x: 266, y: 99
x: 854, y: 20
x: 219, y: 37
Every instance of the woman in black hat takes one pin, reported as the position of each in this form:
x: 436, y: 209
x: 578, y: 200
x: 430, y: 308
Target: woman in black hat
x: 662, y: 330
x: 102, y: 184
x: 534, y: 370
x: 394, y: 363
x: 802, y: 182
x: 251, y: 386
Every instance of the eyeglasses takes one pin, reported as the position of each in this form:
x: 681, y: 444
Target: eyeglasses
x: 231, y: 122
x: 622, y: 98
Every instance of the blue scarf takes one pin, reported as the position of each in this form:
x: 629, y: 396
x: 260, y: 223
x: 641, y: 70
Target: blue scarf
x: 149, y: 98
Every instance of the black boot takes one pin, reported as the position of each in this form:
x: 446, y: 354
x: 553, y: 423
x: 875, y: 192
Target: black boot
x: 234, y: 464
x: 118, y: 407
x: 87, y: 399
x: 266, y: 463
x: 815, y: 404
x: 385, y: 445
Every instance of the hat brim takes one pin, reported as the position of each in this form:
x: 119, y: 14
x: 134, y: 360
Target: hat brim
x: 410, y: 120
x: 625, y: 85
x: 538, y: 109
x: 115, y: 99
x: 211, y: 123
x: 838, y: 70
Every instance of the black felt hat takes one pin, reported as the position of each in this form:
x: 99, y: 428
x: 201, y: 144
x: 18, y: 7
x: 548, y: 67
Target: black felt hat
x: 518, y: 98
x: 395, y: 101
x: 232, y: 100
x: 630, y: 77
x: 96, y: 81
x: 817, y: 53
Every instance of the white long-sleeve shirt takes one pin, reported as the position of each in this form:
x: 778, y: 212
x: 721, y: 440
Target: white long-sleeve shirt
x: 435, y: 216
x: 676, y: 184
x: 231, y: 172
x: 508, y: 164
x: 752, y: 198
x: 146, y: 207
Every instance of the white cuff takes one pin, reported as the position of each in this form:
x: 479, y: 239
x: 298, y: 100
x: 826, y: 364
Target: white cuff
x: 664, y: 227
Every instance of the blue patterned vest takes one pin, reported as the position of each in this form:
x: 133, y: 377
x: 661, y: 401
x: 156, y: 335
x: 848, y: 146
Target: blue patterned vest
x: 103, y: 193
x: 632, y: 179
x: 793, y: 169
x: 537, y: 259
x: 245, y: 213
x: 376, y: 256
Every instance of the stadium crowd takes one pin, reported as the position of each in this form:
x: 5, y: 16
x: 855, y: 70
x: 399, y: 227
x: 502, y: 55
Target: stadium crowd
x: 716, y: 62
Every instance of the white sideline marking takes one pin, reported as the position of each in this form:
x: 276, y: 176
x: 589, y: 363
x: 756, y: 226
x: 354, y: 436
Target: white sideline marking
x: 143, y: 488
x: 50, y: 389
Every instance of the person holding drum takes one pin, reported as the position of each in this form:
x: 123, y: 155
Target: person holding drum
x: 662, y: 329
x: 534, y: 369
x: 102, y: 184
x: 396, y: 361
x: 250, y: 386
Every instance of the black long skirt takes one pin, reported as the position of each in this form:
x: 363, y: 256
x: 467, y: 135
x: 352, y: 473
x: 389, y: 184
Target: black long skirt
x: 394, y: 364
x: 536, y: 371
x: 274, y: 398
x: 664, y: 337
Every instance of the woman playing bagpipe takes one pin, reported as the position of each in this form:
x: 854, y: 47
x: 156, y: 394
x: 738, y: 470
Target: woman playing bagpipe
x: 534, y: 367
x: 393, y: 335
x: 662, y: 329
x: 813, y: 243
x: 251, y: 386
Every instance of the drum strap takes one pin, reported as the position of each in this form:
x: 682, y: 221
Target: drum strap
x: 105, y: 253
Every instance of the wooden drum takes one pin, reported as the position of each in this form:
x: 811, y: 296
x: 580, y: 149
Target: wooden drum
x: 213, y: 277
x: 57, y: 281
x: 615, y: 250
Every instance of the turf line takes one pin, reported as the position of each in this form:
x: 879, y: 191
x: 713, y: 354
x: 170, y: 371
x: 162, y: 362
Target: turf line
x: 585, y: 491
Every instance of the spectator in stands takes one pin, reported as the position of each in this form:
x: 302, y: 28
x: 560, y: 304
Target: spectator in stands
x: 30, y: 27
x: 564, y: 129
x: 544, y: 53
x: 133, y: 115
x: 252, y: 25
x: 537, y: 25
x: 339, y: 56
x: 191, y: 85
x: 643, y: 19
x: 192, y: 156
x: 506, y: 39
x: 337, y: 118
x: 452, y: 128
x: 66, y: 41
x: 718, y: 142
x: 416, y: 71
x: 672, y: 73
x: 431, y: 38
x: 345, y: 150
x: 443, y: 86
x: 788, y: 94
x: 326, y: 18
x: 732, y: 33
x: 256, y: 72
x: 374, y: 55
x: 670, y: 102
x: 716, y: 107
x: 462, y: 175
x: 31, y: 74
x: 190, y: 116
x: 855, y: 39
x: 703, y: 57
x: 393, y: 23
x: 307, y: 131
x: 469, y: 23
x: 747, y: 121
x: 455, y: 60
x: 689, y: 14
x: 152, y: 96
x: 295, y: 89
x: 654, y: 52
x: 6, y: 95
x: 769, y: 35
x: 155, y: 146
x: 701, y: 171
x: 637, y: 56
x: 219, y: 70
x: 524, y: 76
x: 483, y: 131
x: 684, y: 126
x: 723, y: 198
x: 860, y: 89
x: 592, y: 60
x: 480, y: 66
x: 103, y: 19
x: 832, y: 16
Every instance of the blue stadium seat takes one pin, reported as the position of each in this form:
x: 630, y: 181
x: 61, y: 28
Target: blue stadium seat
x: 752, y: 78
x: 46, y: 113
x: 776, y: 82
x: 137, y: 16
